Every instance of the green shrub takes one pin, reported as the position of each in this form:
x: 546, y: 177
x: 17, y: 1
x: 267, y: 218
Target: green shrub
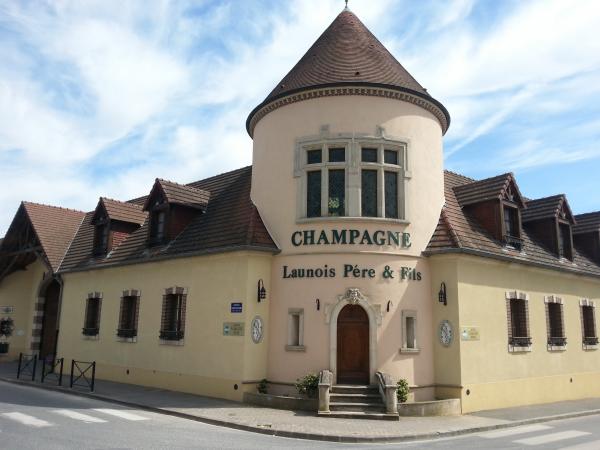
x: 262, y: 386
x: 402, y: 390
x: 308, y: 385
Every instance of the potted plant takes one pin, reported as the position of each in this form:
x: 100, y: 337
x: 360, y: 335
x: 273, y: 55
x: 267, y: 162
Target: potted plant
x: 6, y: 331
x: 308, y: 385
x: 402, y: 391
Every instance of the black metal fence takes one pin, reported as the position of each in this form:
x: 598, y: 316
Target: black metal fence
x: 27, y: 365
x: 52, y: 369
x: 83, y: 374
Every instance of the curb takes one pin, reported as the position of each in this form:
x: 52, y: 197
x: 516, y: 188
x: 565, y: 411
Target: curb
x: 307, y: 436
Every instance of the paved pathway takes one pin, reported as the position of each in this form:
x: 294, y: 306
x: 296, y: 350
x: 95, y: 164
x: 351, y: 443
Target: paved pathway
x: 308, y: 425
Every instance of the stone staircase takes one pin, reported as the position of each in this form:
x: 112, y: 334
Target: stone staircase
x: 357, y: 402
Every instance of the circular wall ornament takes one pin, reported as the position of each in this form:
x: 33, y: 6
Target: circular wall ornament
x: 446, y: 334
x: 257, y: 329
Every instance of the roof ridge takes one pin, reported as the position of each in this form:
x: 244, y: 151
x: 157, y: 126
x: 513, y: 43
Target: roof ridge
x: 26, y: 202
x: 121, y: 201
x: 179, y: 184
x: 70, y: 243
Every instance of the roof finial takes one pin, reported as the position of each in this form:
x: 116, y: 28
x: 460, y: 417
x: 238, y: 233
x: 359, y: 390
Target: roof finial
x: 346, y: 8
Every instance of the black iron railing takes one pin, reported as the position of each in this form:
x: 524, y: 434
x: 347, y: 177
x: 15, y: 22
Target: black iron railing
x: 126, y: 333
x: 520, y: 341
x: 83, y: 374
x: 591, y: 340
x: 171, y: 335
x: 90, y: 331
x: 557, y: 341
x: 27, y: 365
x: 513, y: 242
x: 52, y: 369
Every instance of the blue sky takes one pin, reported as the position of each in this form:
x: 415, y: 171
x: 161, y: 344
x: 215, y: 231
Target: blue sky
x: 101, y: 97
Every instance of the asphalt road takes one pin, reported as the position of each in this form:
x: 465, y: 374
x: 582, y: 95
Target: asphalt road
x: 33, y: 418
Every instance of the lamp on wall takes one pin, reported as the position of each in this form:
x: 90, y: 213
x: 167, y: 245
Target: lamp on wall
x: 261, y: 292
x: 389, y: 303
x: 442, y: 294
x: 318, y: 302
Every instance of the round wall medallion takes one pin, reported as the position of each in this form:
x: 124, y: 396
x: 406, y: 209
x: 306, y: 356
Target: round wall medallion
x: 446, y: 334
x: 257, y: 329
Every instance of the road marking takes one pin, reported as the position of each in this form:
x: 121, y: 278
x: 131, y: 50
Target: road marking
x: 120, y: 413
x: 553, y: 437
x: 585, y: 446
x: 513, y: 431
x: 79, y: 416
x: 27, y: 419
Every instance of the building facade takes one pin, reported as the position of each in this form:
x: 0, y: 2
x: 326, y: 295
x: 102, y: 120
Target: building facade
x: 344, y: 247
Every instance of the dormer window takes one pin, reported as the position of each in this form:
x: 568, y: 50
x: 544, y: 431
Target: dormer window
x: 512, y: 228
x: 157, y: 227
x: 102, y: 237
x: 565, y: 249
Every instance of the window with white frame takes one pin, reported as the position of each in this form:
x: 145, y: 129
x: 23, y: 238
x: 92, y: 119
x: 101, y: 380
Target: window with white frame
x: 295, y: 330
x: 555, y: 323
x: 588, y: 324
x: 409, y: 332
x: 352, y: 178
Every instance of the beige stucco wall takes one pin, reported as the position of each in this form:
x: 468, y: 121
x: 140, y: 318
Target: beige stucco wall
x: 208, y: 362
x: 275, y: 189
x: 20, y: 290
x: 495, y: 377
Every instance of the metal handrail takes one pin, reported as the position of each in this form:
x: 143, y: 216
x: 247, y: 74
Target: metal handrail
x: 520, y: 341
x: 557, y: 341
x: 513, y: 241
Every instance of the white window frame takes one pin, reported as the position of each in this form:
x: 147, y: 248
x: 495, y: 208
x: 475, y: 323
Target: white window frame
x: 299, y: 312
x: 405, y: 348
x: 353, y: 167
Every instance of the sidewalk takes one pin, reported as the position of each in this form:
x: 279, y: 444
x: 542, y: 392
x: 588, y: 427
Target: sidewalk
x: 305, y: 425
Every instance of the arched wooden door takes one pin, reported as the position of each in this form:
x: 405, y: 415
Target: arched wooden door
x: 353, y: 346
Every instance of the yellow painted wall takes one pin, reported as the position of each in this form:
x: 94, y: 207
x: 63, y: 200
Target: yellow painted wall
x: 495, y: 377
x: 20, y: 289
x: 207, y: 363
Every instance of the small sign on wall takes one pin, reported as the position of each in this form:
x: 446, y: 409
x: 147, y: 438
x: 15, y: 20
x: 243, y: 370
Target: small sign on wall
x: 7, y: 309
x: 469, y: 333
x: 236, y: 307
x: 233, y: 328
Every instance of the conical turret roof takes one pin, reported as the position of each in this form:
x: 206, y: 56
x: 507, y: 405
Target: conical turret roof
x: 347, y: 54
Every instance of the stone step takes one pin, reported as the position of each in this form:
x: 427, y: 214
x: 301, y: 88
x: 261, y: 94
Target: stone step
x: 360, y: 415
x: 356, y: 407
x: 360, y: 398
x: 354, y: 389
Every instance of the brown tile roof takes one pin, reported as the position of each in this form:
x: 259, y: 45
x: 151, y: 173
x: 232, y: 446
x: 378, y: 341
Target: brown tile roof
x: 489, y: 189
x: 347, y: 53
x: 231, y: 222
x: 546, y: 208
x: 123, y: 211
x: 587, y: 222
x: 459, y: 231
x: 180, y: 194
x: 54, y: 228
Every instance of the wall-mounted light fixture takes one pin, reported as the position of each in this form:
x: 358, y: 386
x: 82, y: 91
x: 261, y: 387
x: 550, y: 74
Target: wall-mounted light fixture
x: 389, y: 303
x: 261, y: 292
x: 442, y: 294
x: 318, y: 302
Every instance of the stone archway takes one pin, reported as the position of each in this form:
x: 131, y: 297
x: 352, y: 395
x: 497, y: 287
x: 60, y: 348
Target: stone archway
x: 353, y: 296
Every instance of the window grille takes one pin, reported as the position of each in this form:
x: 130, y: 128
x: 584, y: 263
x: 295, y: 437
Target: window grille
x: 555, y: 324
x: 91, y: 323
x: 172, y: 324
x: 128, y: 317
x: 518, y: 323
x: 588, y: 320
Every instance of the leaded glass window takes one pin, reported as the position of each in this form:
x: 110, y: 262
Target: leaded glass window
x: 313, y: 157
x: 369, y: 193
x: 390, y: 157
x: 391, y: 194
x: 337, y: 154
x: 337, y: 192
x: 369, y: 155
x: 313, y: 194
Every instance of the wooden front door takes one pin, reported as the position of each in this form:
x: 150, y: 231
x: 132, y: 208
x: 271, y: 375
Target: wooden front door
x: 353, y: 346
x: 50, y: 321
